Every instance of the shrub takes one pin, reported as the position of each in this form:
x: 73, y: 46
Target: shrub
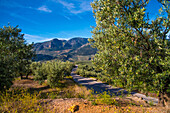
x: 53, y: 71
x: 88, y: 71
x: 40, y: 73
x: 76, y: 91
x: 19, y: 101
x: 103, y: 98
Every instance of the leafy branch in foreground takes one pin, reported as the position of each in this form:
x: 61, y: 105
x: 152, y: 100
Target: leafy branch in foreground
x: 16, y: 55
x: 133, y: 50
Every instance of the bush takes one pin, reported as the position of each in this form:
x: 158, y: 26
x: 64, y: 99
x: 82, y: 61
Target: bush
x: 53, y: 71
x: 19, y: 101
x: 88, y: 71
x: 40, y: 73
x: 103, y: 98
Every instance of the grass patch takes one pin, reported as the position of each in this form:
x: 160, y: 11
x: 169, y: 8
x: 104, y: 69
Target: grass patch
x: 20, y: 101
x: 76, y: 91
x: 25, y: 95
x: 103, y: 98
x: 83, y: 62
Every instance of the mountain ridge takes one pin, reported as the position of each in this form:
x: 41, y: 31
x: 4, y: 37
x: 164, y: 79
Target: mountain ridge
x: 64, y: 49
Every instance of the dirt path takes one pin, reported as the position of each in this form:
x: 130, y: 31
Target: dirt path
x: 100, y: 87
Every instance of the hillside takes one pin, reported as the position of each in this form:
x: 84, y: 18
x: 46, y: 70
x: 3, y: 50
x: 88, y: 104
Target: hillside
x: 73, y: 49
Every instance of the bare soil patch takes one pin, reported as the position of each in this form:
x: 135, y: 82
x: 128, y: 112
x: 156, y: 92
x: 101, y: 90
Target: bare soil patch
x: 84, y: 106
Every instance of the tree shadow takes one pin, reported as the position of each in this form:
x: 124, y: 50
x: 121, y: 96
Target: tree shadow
x: 98, y: 87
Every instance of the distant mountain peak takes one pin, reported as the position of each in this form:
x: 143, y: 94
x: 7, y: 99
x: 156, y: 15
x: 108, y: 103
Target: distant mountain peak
x: 57, y: 48
x: 55, y: 39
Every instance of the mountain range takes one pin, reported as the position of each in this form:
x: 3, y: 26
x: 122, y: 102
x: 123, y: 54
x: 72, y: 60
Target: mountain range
x: 73, y: 49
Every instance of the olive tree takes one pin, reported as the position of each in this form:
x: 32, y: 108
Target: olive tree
x: 133, y: 49
x: 15, y: 55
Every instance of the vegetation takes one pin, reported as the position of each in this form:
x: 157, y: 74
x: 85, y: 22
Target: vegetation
x: 103, y: 98
x: 16, y: 55
x: 133, y: 50
x: 34, y: 99
x: 19, y: 101
x: 88, y: 70
x: 53, y: 71
x: 39, y: 98
x: 88, y: 62
x: 86, y: 50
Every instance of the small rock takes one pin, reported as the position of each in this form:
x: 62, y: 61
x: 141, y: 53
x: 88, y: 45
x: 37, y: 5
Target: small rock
x: 73, y: 108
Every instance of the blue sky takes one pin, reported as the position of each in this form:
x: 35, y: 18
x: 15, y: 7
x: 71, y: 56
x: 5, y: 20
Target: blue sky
x: 42, y: 20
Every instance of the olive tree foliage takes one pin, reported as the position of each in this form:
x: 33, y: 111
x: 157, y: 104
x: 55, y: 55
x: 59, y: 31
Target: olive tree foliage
x: 15, y: 55
x: 52, y: 71
x: 133, y: 50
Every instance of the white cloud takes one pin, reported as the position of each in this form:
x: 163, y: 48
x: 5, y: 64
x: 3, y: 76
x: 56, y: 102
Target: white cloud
x: 66, y: 4
x: 45, y: 9
x: 63, y: 38
x: 68, y: 18
x: 77, y: 7
x: 34, y: 38
x: 46, y: 39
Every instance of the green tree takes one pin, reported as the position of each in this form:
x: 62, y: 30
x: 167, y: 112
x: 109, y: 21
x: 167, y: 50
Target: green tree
x: 52, y: 71
x: 133, y: 50
x: 15, y: 57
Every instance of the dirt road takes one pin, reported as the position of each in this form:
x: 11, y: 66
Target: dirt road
x: 99, y: 87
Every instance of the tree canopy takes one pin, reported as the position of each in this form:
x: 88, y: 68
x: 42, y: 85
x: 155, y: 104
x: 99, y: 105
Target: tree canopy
x: 133, y: 49
x: 15, y: 56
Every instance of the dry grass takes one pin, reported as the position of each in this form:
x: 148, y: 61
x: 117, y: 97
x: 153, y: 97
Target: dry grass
x: 76, y: 91
x: 19, y: 101
x: 41, y: 98
x: 28, y: 95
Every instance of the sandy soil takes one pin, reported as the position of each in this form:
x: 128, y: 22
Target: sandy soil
x: 84, y: 106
